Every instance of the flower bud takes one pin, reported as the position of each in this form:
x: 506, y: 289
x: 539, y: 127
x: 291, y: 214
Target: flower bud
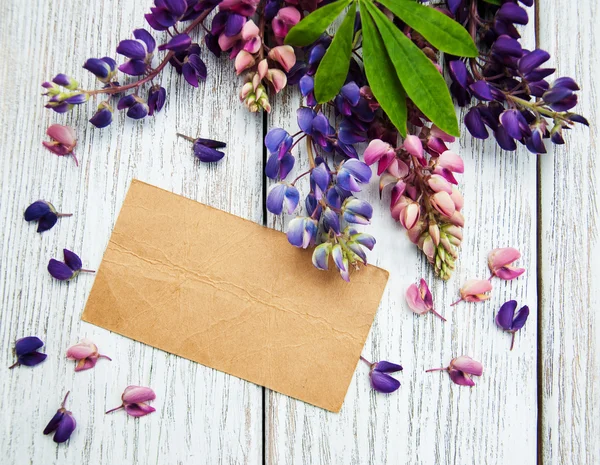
x: 443, y: 203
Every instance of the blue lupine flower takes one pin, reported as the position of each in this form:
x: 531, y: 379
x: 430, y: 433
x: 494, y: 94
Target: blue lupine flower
x: 320, y: 256
x: 277, y: 168
x: 319, y: 179
x: 341, y: 261
x: 156, y: 99
x: 44, y: 213
x: 139, y: 52
x: 357, y: 211
x: 348, y: 97
x: 137, y: 106
x: 278, y: 141
x: 103, y: 68
x: 62, y: 422
x: 103, y: 116
x: 302, y: 232
x: 282, y: 196
x: 26, y: 352
x: 352, y: 173
x: 331, y: 222
x: 317, y: 126
x: 71, y: 267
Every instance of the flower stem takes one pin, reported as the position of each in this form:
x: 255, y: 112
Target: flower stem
x: 191, y: 139
x: 65, y: 399
x: 458, y: 301
x: 365, y: 360
x: 512, y: 342
x: 436, y: 369
x: 14, y: 365
x: 87, y: 271
x: 105, y: 356
x: 75, y: 158
x: 60, y: 215
x: 535, y: 108
x: 437, y: 314
x: 113, y: 409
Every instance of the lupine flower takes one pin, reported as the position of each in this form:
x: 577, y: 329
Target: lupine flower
x: 137, y: 106
x: 63, y: 141
x: 139, y: 52
x: 134, y: 401
x: 62, y: 423
x: 285, y: 19
x: 351, y: 174
x: 206, y: 149
x: 26, y: 352
x: 282, y: 196
x: 284, y: 55
x: 500, y: 262
x: 178, y: 43
x: 156, y: 99
x: 86, y: 354
x: 302, y: 232
x: 379, y: 151
x: 420, y: 300
x: 381, y: 381
x: 67, y: 270
x: 44, y: 213
x: 461, y: 369
x: 475, y: 290
x: 190, y: 65
x: 104, y: 69
x: 103, y: 116
x: 508, y: 321
x: 357, y: 211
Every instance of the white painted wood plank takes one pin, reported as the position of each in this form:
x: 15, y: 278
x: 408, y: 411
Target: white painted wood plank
x: 430, y: 420
x: 570, y: 179
x: 203, y: 416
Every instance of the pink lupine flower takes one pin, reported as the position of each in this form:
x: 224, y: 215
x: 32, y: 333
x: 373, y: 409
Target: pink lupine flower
x: 443, y: 203
x: 451, y: 161
x: 243, y: 61
x: 412, y: 144
x: 86, y: 354
x: 439, y: 184
x: 500, y: 262
x: 285, y: 19
x: 461, y: 369
x: 134, y: 401
x: 475, y: 290
x: 277, y: 78
x: 284, y: 55
x: 382, y: 152
x: 420, y: 300
x: 63, y: 141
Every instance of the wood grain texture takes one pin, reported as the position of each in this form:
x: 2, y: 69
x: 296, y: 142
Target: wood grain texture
x: 203, y: 416
x: 570, y: 179
x: 430, y: 420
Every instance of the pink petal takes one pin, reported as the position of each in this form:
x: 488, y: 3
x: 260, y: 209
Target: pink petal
x: 437, y: 132
x: 502, y: 257
x: 425, y: 293
x: 376, y: 149
x: 468, y: 365
x: 439, y: 184
x: 509, y: 272
x: 225, y: 42
x: 277, y: 78
x: 476, y: 286
x: 443, y: 203
x: 86, y: 363
x: 138, y: 409
x: 410, y: 215
x: 414, y: 300
x: 289, y: 15
x: 63, y: 134
x: 59, y: 149
x: 250, y: 30
x: 451, y: 161
x: 134, y: 394
x: 243, y: 60
x: 457, y: 198
x: 284, y: 55
x: 82, y: 350
x: 413, y: 145
x: 398, y: 168
x: 458, y: 377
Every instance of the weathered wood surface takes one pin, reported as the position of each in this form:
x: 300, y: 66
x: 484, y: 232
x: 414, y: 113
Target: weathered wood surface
x: 206, y: 417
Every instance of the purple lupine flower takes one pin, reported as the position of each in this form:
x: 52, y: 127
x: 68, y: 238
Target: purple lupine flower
x: 561, y: 95
x: 26, y: 352
x: 137, y: 108
x: 279, y: 142
x: 156, y: 99
x: 320, y: 178
x: 85, y: 352
x: 103, y: 115
x: 44, y: 213
x: 139, y: 51
x: 103, y: 68
x: 348, y: 97
x: 178, y: 43
x: 331, y: 222
x: 461, y: 369
x: 341, y: 261
x: 320, y: 256
x: 508, y: 321
x: 282, y: 196
x: 206, y: 149
x: 62, y: 423
x: 71, y: 267
x: 279, y: 168
x: 317, y: 126
x: 167, y: 13
x: 352, y: 173
x: 357, y: 211
x: 134, y: 401
x: 307, y: 89
x: 190, y: 65
x: 381, y: 381
x: 302, y: 232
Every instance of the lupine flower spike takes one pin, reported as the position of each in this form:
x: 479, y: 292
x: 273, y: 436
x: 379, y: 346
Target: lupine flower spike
x: 419, y: 299
x: 461, y: 369
x: 63, y: 141
x: 381, y: 381
x: 62, y: 422
x: 86, y: 354
x: 71, y: 267
x: 44, y: 213
x: 475, y: 290
x: 500, y: 262
x: 26, y: 352
x: 508, y: 321
x: 134, y: 401
x: 206, y: 149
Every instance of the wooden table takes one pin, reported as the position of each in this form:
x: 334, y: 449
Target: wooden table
x: 539, y: 402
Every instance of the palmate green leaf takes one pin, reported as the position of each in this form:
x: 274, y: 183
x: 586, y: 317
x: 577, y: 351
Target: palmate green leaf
x: 441, y: 31
x: 381, y: 74
x: 310, y: 28
x: 334, y: 66
x: 421, y: 80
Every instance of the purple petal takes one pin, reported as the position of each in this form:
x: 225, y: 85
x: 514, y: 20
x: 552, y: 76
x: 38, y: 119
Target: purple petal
x: 387, y: 367
x: 320, y: 123
x: 72, y: 260
x: 154, y: 24
x: 459, y: 73
x: 28, y: 344
x: 532, y: 60
x: 177, y: 7
x: 178, y: 43
x: 32, y: 359
x: 320, y: 176
x: 331, y: 221
x: 126, y: 102
x: 146, y: 37
x: 36, y: 210
x: 579, y: 119
x: 565, y: 104
x: 135, y: 394
x: 139, y: 410
x: 474, y: 123
x: 132, y: 49
x: 320, y: 257
x: 512, y: 121
x: 504, y: 319
x: 76, y: 99
x: 567, y: 82
x: 207, y: 154
x: 504, y: 140
x: 275, y: 198
x: 539, y: 73
x: 272, y: 166
x: 133, y: 67
x: 286, y: 165
x: 66, y: 426
x: 295, y: 232
x: 383, y: 383
x: 198, y: 65
x: 512, y: 13
x: 189, y: 74
x: 102, y: 118
x: 349, y: 134
x: 307, y: 85
x: 275, y: 138
x: 234, y: 24
x: 59, y: 270
x: 54, y: 422
x: 481, y: 90
x: 358, y: 169
x: 506, y: 45
x: 520, y: 318
x: 458, y: 377
x: 556, y: 94
x: 47, y: 221
x: 213, y: 144
x: 163, y: 17
x: 291, y: 199
x: 351, y: 92
x: 138, y: 111
x: 97, y: 67
x: 305, y: 118
x: 338, y: 257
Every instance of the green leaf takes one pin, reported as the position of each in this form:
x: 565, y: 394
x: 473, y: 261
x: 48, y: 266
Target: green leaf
x: 441, y: 31
x: 334, y: 66
x: 310, y: 28
x: 494, y: 2
x: 382, y: 75
x: 421, y: 80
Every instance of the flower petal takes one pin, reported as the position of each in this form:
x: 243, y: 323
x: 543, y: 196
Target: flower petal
x: 138, y: 410
x: 520, y: 318
x: 72, y: 260
x: 414, y: 300
x: 54, y: 422
x: 387, y: 367
x: 505, y: 315
x: 135, y: 394
x: 32, y: 359
x: 383, y: 383
x: 36, y: 210
x: 458, y: 377
x: 468, y: 365
x: 28, y: 344
x: 65, y: 428
x: 47, y: 221
x: 59, y: 270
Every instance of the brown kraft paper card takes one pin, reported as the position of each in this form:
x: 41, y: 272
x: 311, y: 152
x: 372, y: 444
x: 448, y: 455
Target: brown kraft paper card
x: 232, y: 295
